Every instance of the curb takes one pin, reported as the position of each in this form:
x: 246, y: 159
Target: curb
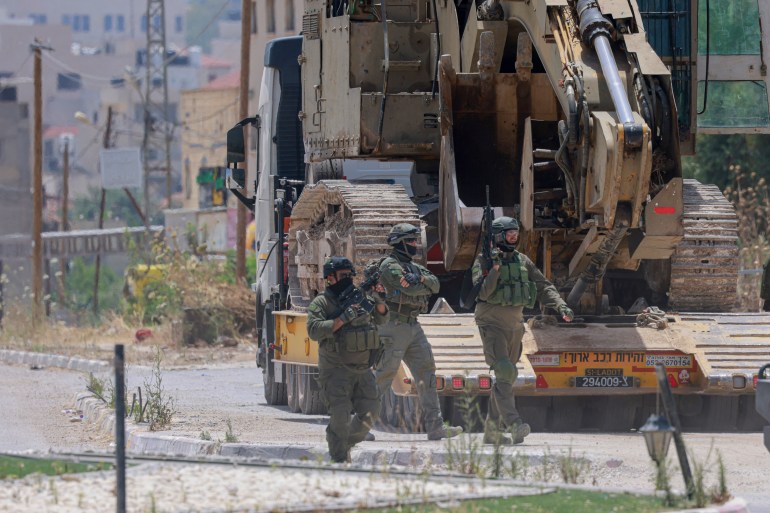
x: 139, y: 441
x: 54, y: 360
x: 736, y: 505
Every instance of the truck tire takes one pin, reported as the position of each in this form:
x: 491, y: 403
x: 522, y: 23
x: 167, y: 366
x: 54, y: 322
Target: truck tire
x: 275, y: 393
x: 292, y: 388
x: 309, y: 393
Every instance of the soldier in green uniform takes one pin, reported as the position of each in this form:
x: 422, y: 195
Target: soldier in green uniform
x: 764, y: 293
x: 407, y: 289
x: 347, y: 343
x: 508, y: 283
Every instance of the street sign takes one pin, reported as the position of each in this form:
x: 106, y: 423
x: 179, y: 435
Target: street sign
x: 120, y: 167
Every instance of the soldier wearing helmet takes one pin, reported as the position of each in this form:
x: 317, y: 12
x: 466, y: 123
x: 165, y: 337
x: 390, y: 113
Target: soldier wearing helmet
x: 347, y: 343
x: 407, y: 288
x: 508, y: 283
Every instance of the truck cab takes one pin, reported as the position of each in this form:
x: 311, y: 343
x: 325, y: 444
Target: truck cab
x: 280, y: 162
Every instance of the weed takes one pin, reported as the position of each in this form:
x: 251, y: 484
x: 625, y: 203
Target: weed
x: 572, y: 468
x: 160, y: 407
x: 205, y: 435
x: 544, y: 471
x: 464, y: 453
x: 721, y: 494
x: 517, y: 466
x: 230, y: 437
x: 663, y: 482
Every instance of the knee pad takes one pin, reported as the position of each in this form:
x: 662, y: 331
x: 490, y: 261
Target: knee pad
x: 505, y: 371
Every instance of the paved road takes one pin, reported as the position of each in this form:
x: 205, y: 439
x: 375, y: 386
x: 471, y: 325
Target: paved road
x: 207, y: 398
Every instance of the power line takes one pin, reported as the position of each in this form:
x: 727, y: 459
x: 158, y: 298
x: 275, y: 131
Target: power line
x: 26, y: 59
x: 73, y: 70
x: 199, y: 34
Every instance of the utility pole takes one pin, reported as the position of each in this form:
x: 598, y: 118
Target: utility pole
x: 157, y: 128
x: 107, y: 142
x: 64, y: 226
x: 37, y: 187
x: 240, y: 226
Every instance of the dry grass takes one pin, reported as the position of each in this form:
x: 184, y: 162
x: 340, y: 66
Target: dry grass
x: 751, y: 198
x: 97, y: 342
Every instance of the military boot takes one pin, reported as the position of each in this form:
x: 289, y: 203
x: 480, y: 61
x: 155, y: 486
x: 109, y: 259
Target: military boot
x: 444, y: 432
x: 518, y: 430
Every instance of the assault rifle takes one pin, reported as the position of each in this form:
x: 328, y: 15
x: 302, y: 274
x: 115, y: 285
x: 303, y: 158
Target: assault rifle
x: 355, y: 296
x: 489, y: 241
x: 372, y: 276
x: 469, y: 292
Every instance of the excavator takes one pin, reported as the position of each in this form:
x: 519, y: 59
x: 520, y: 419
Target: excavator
x: 574, y: 115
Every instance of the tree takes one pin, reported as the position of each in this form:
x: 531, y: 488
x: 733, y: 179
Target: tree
x: 200, y: 13
x: 714, y: 154
x: 117, y: 206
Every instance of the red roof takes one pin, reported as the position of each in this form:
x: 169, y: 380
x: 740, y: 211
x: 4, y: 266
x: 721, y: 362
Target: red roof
x: 227, y: 81
x: 53, y: 132
x: 208, y: 61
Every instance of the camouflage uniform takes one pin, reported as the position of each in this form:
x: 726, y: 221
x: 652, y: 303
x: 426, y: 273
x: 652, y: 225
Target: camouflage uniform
x: 765, y: 291
x: 403, y: 338
x: 344, y: 364
x: 502, y: 297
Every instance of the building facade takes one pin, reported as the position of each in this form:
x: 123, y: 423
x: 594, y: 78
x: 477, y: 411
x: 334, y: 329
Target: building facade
x: 105, y: 24
x: 206, y: 115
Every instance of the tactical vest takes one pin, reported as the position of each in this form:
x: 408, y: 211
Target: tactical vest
x: 514, y: 288
x: 403, y: 307
x: 358, y: 335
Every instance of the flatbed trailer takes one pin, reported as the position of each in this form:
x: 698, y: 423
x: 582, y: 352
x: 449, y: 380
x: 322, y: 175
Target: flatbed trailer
x: 595, y: 373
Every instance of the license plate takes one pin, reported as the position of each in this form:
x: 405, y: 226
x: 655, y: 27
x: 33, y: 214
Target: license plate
x: 668, y: 360
x: 604, y: 381
x: 278, y: 369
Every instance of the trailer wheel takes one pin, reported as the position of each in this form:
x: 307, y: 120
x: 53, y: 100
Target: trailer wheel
x: 275, y: 393
x: 292, y: 388
x: 309, y: 393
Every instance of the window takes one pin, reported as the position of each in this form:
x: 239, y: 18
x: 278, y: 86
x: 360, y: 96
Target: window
x: 86, y: 23
x: 143, y: 23
x: 68, y: 82
x: 270, y: 16
x: 156, y: 22
x: 76, y: 23
x: 253, y: 17
x: 39, y: 19
x: 178, y: 25
x: 289, y: 15
x: 120, y: 23
x: 108, y: 23
x: 65, y: 19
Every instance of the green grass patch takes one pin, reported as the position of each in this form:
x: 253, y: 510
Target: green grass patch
x: 561, y: 501
x: 12, y: 467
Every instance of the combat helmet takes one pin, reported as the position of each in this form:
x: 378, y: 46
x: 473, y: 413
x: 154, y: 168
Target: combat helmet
x: 398, y: 236
x: 337, y: 263
x: 402, y: 232
x: 499, y: 227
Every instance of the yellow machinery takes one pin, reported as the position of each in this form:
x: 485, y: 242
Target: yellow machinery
x: 575, y: 114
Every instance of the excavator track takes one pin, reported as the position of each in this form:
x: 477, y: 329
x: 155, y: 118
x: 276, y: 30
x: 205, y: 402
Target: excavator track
x: 335, y: 217
x: 705, y: 264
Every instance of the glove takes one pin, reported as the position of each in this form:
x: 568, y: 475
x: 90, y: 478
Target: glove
x: 496, y: 256
x: 566, y: 312
x: 349, y: 314
x: 412, y: 278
